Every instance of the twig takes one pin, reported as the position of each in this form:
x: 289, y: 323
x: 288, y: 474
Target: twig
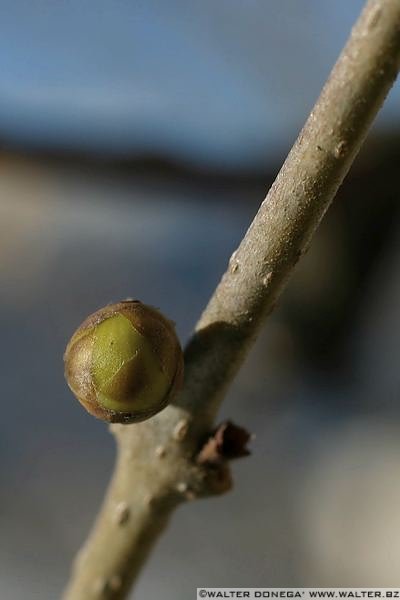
x: 157, y: 467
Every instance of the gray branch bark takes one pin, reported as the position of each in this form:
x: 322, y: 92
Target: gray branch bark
x: 156, y: 468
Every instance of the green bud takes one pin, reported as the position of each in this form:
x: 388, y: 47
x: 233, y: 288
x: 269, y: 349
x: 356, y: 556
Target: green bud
x: 124, y: 363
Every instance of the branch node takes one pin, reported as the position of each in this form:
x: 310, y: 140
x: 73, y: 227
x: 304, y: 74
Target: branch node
x: 227, y: 442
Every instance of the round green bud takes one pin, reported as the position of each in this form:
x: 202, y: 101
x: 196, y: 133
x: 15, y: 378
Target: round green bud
x: 124, y: 363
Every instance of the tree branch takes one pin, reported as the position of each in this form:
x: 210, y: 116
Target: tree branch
x: 158, y: 465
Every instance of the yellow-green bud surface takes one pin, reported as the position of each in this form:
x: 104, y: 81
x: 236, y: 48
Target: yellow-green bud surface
x: 124, y: 363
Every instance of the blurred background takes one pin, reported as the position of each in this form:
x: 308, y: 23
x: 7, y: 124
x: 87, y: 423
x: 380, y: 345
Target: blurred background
x: 137, y: 141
